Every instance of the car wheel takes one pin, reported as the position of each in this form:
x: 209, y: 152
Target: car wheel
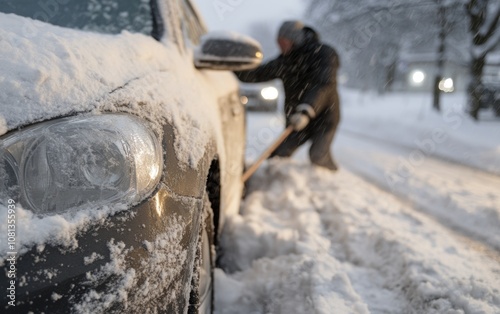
x: 201, y: 297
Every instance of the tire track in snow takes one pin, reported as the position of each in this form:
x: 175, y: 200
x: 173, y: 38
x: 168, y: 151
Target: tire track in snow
x: 450, y: 211
x: 402, y: 271
x: 409, y: 148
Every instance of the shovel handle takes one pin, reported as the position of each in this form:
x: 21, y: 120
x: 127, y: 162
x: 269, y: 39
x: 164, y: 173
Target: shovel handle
x: 250, y: 171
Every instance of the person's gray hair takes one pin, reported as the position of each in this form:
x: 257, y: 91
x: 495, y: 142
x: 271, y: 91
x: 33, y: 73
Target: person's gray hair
x: 293, y: 31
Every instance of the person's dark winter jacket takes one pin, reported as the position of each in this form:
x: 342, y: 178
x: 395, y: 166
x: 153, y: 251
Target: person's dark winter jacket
x: 309, y: 75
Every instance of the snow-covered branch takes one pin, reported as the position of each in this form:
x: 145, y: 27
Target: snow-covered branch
x: 479, y: 51
x: 491, y: 19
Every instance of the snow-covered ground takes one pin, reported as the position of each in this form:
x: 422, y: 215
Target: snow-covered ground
x: 406, y: 119
x: 410, y: 224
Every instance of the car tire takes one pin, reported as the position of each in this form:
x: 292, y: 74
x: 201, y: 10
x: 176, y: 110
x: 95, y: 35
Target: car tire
x: 202, y: 281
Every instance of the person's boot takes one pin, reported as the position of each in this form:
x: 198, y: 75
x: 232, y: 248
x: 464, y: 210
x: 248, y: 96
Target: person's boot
x: 325, y: 162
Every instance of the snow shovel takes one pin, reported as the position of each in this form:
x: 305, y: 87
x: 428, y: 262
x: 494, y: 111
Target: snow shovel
x: 250, y: 171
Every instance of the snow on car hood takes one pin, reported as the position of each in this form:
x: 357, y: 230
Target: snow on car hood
x: 48, y: 71
x: 61, y: 71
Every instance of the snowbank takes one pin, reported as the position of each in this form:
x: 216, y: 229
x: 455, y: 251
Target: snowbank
x: 309, y: 241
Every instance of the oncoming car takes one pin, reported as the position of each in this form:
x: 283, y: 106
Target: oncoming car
x: 261, y: 96
x: 120, y: 154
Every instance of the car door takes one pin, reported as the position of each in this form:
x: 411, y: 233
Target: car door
x: 223, y: 86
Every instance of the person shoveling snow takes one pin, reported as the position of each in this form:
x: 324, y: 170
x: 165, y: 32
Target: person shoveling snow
x: 308, y: 69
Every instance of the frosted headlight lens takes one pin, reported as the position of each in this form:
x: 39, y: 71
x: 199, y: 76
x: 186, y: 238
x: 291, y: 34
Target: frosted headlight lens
x: 95, y: 160
x: 9, y: 188
x: 269, y: 93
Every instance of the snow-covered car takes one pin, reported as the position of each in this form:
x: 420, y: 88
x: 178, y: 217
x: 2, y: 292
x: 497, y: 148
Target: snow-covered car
x: 120, y: 154
x: 260, y: 96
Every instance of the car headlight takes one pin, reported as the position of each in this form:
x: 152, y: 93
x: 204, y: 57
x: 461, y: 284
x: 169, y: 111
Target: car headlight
x: 269, y: 93
x: 80, y: 161
x: 446, y: 85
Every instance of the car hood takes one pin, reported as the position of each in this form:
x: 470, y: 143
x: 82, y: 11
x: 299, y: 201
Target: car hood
x: 48, y: 71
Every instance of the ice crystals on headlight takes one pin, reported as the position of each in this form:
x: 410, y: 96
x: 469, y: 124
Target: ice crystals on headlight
x: 68, y: 163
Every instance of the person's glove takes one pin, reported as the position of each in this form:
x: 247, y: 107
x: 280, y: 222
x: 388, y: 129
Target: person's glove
x: 299, y: 121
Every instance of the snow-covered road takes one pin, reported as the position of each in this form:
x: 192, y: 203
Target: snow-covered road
x: 462, y: 198
x: 388, y: 233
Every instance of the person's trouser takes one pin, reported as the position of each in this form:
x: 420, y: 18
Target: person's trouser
x: 321, y: 135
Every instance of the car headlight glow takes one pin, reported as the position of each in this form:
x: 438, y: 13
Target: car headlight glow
x: 269, y: 93
x: 446, y: 85
x: 417, y: 77
x: 81, y: 161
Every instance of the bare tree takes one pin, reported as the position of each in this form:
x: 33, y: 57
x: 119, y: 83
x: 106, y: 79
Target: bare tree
x: 484, y: 20
x: 367, y: 29
x: 449, y: 15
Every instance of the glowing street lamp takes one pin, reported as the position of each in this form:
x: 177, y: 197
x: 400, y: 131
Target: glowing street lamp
x: 418, y: 77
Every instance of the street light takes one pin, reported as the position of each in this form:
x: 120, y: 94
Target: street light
x: 417, y: 77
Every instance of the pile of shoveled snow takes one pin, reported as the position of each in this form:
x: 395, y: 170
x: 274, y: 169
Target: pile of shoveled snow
x: 309, y: 241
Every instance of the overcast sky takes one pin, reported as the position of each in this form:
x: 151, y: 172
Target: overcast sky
x: 241, y: 15
x: 237, y: 15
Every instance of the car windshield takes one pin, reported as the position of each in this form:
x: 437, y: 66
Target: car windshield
x: 103, y: 16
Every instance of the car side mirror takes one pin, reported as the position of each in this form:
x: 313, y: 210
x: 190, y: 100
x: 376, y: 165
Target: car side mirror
x: 227, y: 51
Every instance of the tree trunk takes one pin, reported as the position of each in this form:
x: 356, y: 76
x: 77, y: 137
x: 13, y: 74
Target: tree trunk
x: 390, y: 75
x: 475, y: 88
x: 482, y: 27
x: 436, y: 104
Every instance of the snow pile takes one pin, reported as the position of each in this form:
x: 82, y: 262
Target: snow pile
x: 309, y: 241
x: 408, y: 119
